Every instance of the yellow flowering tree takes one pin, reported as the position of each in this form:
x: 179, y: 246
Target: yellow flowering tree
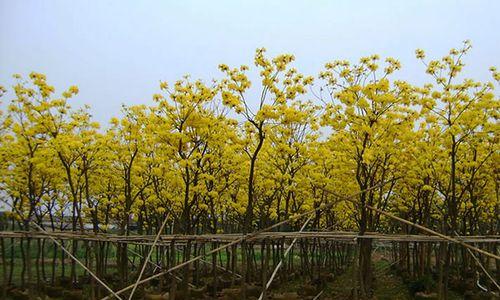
x: 281, y: 84
x: 371, y: 119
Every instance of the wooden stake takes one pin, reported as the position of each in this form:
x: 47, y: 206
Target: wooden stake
x: 147, y: 257
x: 268, y: 284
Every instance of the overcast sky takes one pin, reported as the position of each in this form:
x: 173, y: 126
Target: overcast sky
x: 117, y: 51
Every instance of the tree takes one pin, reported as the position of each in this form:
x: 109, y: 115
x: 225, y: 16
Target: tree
x: 371, y: 120
x: 464, y: 112
x: 280, y: 84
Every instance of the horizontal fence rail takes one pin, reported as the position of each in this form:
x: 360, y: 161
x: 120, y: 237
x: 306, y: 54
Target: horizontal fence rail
x: 229, y: 237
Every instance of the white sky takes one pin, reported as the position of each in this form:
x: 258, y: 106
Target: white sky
x: 117, y: 51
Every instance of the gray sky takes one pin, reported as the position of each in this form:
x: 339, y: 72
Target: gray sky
x: 117, y: 51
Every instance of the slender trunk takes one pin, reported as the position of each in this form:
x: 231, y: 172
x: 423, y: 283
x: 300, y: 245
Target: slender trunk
x: 249, y: 211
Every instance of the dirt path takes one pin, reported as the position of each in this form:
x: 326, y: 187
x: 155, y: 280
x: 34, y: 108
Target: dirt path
x: 387, y: 285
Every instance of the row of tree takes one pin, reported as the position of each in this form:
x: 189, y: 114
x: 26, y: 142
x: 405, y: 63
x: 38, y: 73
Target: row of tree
x: 211, y: 159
